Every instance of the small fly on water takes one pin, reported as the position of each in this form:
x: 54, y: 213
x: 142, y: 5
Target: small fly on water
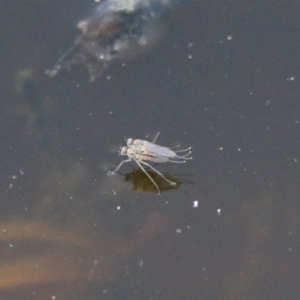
x: 141, y: 151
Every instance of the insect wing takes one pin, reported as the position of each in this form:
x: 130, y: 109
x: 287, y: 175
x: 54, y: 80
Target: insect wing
x: 158, y: 150
x: 137, y: 153
x: 138, y: 143
x: 153, y: 157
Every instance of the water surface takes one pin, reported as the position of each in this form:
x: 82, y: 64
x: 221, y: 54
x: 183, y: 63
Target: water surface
x: 223, y: 78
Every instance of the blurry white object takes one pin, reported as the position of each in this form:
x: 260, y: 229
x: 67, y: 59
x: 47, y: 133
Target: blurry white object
x: 117, y: 28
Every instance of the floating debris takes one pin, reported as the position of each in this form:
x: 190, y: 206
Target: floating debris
x: 116, y: 29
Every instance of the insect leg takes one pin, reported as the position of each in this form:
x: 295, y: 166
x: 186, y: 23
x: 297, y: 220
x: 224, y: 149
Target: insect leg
x: 155, y: 138
x: 138, y: 162
x: 177, y: 161
x: 122, y: 162
x: 148, y: 165
x: 183, y: 150
x: 185, y: 156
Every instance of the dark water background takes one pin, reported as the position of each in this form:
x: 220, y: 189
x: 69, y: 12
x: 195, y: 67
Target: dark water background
x: 224, y: 79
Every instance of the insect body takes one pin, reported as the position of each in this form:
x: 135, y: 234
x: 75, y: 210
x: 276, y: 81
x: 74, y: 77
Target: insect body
x: 141, y: 151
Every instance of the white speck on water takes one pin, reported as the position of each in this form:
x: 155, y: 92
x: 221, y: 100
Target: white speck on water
x: 292, y: 78
x: 229, y: 37
x: 268, y: 102
x: 219, y: 211
x: 179, y: 230
x: 196, y: 203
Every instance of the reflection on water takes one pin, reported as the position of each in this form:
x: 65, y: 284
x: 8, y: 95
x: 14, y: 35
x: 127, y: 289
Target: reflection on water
x: 141, y: 182
x: 253, y: 262
x: 37, y: 253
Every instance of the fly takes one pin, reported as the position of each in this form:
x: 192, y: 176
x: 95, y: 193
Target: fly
x: 141, y: 151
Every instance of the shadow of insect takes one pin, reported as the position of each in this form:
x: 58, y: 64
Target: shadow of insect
x: 142, y: 183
